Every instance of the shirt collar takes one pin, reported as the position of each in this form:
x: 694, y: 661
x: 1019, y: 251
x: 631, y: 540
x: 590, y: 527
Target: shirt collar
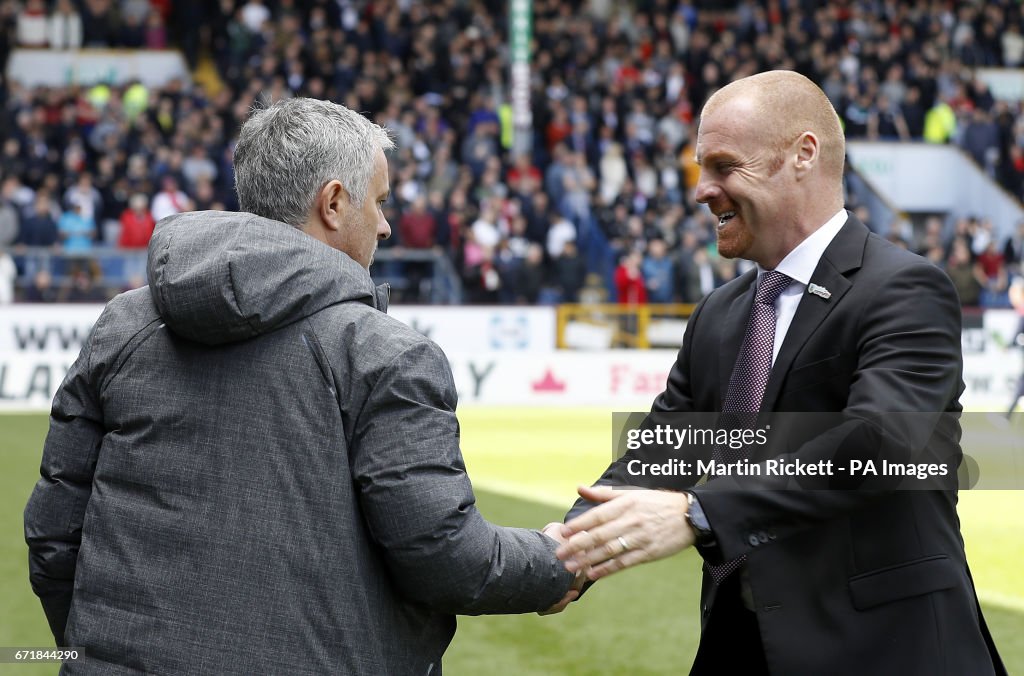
x: 800, y: 263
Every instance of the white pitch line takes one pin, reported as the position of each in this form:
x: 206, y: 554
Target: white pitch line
x: 516, y: 490
x: 1005, y: 601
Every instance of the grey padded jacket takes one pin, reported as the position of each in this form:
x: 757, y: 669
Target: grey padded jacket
x: 251, y: 468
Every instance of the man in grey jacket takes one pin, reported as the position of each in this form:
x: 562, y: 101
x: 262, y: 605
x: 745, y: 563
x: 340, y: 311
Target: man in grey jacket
x: 251, y: 468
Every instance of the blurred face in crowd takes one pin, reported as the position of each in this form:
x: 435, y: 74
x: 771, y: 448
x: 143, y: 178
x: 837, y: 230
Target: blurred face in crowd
x: 742, y: 180
x: 139, y: 203
x: 363, y: 225
x: 42, y: 202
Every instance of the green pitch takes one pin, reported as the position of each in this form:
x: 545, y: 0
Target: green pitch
x: 525, y: 465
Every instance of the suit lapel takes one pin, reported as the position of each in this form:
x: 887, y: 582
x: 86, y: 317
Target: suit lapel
x: 844, y: 254
x: 732, y: 331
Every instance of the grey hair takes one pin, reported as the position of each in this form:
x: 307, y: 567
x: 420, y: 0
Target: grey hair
x: 290, y: 150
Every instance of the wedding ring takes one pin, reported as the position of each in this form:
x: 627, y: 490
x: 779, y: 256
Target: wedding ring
x: 625, y: 545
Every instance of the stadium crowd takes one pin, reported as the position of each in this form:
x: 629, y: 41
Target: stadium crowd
x: 602, y: 207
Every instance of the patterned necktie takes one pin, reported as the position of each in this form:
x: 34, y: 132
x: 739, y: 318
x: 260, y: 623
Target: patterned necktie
x: 748, y: 380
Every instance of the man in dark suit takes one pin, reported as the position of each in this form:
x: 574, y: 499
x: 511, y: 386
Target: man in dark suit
x: 806, y: 581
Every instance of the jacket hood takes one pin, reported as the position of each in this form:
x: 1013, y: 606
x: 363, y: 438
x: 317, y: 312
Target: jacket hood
x: 218, y: 277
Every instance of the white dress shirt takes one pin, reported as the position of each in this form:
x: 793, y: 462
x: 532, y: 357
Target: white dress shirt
x: 799, y: 265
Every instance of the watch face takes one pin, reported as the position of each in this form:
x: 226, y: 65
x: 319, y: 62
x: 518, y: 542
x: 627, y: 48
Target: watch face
x: 698, y: 521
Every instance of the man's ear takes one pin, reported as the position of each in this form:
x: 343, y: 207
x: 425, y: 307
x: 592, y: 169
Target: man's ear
x: 808, y: 150
x: 333, y: 203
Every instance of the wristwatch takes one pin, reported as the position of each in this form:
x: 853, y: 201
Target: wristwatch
x: 698, y: 521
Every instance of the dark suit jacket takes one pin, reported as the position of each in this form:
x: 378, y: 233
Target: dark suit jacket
x: 845, y: 581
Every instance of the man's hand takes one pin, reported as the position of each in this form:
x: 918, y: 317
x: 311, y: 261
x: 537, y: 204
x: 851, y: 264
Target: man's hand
x: 630, y: 527
x: 554, y: 531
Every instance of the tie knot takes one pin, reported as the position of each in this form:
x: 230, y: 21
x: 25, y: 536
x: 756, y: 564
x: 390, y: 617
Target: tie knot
x: 770, y: 286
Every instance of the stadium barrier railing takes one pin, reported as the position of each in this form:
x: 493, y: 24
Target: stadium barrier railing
x: 609, y: 325
x: 119, y: 269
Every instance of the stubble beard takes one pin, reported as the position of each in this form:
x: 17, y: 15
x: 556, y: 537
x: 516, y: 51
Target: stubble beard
x: 733, y: 241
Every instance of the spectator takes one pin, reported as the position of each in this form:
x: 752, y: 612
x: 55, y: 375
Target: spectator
x: 886, y: 121
x: 523, y: 176
x: 155, y: 32
x: 536, y: 209
x: 41, y: 290
x: 84, y: 194
x: 38, y: 226
x: 629, y: 280
x: 254, y: 14
x: 990, y: 269
x: 137, y: 9
x: 701, y: 277
x: 100, y: 26
x: 613, y: 173
x: 64, y: 27
x: 11, y: 161
x: 965, y: 275
x: 480, y: 275
x: 570, y: 273
x: 136, y: 224
x: 964, y: 231
x: 205, y: 197
x: 133, y: 31
x: 931, y: 238
x: 481, y: 144
x: 940, y: 123
x: 517, y: 241
x: 575, y: 202
x: 913, y: 112
x: 417, y: 229
x: 84, y: 284
x: 9, y: 223
x: 560, y: 232
x: 77, y: 231
x: 553, y: 176
x: 170, y: 200
x: 444, y: 171
x: 483, y: 112
x: 485, y: 228
x: 442, y: 220
x: 1012, y: 45
x: 198, y: 167
x: 856, y: 112
x: 1012, y: 173
x: 531, y: 276
x: 559, y: 127
x: 981, y: 235
x: 658, y: 272
x: 1013, y: 249
x: 32, y: 29
x: 981, y: 140
x: 1016, y: 298
x: 8, y: 275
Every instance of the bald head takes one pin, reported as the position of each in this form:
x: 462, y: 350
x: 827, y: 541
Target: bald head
x: 771, y: 153
x: 785, y: 105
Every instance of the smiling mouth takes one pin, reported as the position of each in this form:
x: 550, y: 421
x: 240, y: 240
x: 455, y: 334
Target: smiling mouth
x: 725, y: 217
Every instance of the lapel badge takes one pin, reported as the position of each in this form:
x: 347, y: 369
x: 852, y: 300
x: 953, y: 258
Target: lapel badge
x: 819, y: 291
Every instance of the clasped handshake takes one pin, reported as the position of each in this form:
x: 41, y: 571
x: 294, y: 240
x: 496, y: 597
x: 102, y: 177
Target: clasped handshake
x: 626, y: 528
